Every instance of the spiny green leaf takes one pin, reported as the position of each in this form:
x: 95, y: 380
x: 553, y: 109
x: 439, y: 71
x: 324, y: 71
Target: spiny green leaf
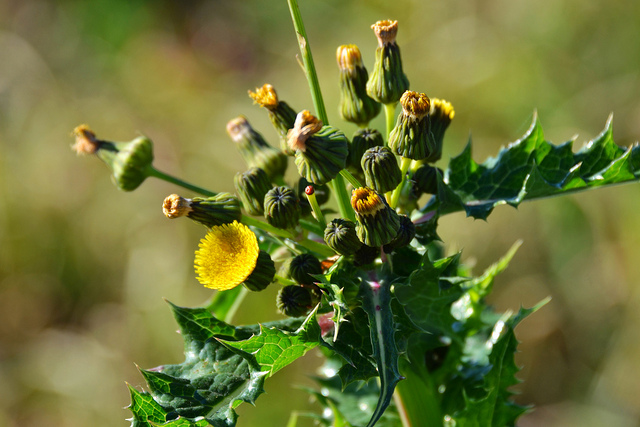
x: 274, y: 349
x: 533, y: 168
x: 145, y: 410
x: 426, y: 299
x: 377, y: 304
x: 208, y: 385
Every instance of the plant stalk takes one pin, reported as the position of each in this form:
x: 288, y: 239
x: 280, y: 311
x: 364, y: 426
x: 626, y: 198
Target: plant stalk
x: 172, y: 179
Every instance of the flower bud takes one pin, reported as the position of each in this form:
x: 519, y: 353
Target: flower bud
x: 440, y: 116
x: 302, y: 267
x: 252, y: 186
x: 425, y: 180
x: 340, y: 235
x: 262, y: 275
x: 387, y: 81
x: 355, y: 105
x: 362, y: 140
x: 365, y: 255
x: 294, y: 301
x: 321, y: 151
x: 255, y: 151
x: 282, y: 207
x: 406, y: 233
x: 411, y: 136
x: 281, y: 115
x: 130, y: 162
x: 381, y: 170
x: 223, y: 208
x: 377, y: 224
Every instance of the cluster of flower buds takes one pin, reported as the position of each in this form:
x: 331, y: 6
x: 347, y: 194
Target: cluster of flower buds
x: 396, y: 173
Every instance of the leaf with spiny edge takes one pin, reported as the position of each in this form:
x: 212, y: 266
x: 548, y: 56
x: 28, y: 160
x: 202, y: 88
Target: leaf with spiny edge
x: 376, y: 297
x: 533, y: 168
x: 495, y: 407
x: 212, y: 381
x: 274, y: 349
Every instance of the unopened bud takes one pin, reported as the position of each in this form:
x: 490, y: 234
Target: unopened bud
x: 340, y: 235
x: 282, y: 207
x: 387, y: 81
x: 223, y: 208
x: 302, y: 268
x: 294, y: 301
x: 440, y: 117
x: 252, y: 186
x: 425, y: 180
x: 321, y: 151
x: 411, y: 136
x: 362, y: 140
x: 282, y: 116
x: 377, y: 224
x: 355, y: 105
x: 406, y: 233
x: 381, y: 170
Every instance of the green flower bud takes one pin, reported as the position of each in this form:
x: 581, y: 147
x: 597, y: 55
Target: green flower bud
x: 340, y: 235
x: 387, y: 81
x: 281, y: 115
x: 282, y: 207
x: 381, y: 170
x: 252, y: 186
x: 263, y: 273
x: 425, y: 180
x: 406, y: 233
x: 130, y: 162
x: 294, y: 301
x: 411, y: 136
x: 302, y: 267
x: 377, y: 224
x: 255, y: 151
x: 440, y: 116
x: 321, y: 151
x: 362, y: 140
x: 355, y: 105
x: 365, y: 255
x: 223, y: 208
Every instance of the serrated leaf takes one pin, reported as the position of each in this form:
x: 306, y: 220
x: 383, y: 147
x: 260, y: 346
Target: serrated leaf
x: 533, y: 168
x: 208, y: 385
x: 427, y: 300
x: 274, y: 349
x: 145, y: 410
x: 376, y: 297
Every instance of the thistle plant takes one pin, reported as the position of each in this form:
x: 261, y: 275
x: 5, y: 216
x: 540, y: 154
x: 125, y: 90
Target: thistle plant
x: 406, y: 331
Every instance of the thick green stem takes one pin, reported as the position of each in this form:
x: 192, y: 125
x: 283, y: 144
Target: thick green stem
x: 404, y: 167
x: 349, y: 177
x: 172, y: 179
x: 315, y: 207
x: 307, y: 61
x: 339, y: 189
x: 390, y: 115
x: 236, y: 304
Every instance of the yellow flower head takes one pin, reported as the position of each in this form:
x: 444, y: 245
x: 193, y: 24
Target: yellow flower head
x: 227, y: 256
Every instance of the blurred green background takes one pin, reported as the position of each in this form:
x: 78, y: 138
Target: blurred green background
x: 84, y: 267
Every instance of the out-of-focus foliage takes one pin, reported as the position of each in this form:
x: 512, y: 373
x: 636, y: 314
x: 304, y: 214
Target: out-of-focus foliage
x: 72, y: 287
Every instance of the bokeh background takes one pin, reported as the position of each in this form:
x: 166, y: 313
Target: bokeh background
x: 84, y: 267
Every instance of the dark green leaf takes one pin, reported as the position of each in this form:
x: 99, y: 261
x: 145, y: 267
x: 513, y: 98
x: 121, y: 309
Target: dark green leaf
x: 533, y: 168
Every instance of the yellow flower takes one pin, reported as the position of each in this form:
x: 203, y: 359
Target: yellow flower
x: 227, y: 256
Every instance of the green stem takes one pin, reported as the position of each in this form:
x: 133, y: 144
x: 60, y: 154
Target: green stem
x: 307, y: 61
x: 283, y: 280
x: 339, y: 189
x: 315, y: 207
x: 247, y: 220
x: 352, y: 179
x: 172, y: 179
x: 236, y: 304
x: 404, y: 167
x: 390, y: 115
x: 312, y: 226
